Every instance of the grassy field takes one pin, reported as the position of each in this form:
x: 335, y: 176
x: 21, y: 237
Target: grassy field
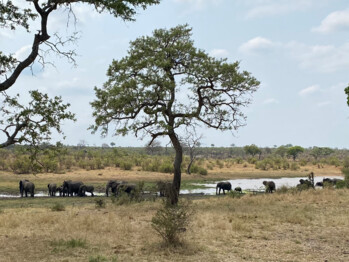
x: 99, y: 178
x: 307, y: 226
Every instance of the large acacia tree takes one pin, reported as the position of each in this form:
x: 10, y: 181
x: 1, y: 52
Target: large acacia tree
x: 165, y: 84
x: 31, y: 123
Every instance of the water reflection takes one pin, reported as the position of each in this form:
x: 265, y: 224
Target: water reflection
x: 253, y: 184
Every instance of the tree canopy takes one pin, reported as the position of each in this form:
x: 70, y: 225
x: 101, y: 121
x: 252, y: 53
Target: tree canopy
x: 164, y: 84
x: 31, y: 123
x: 252, y: 150
x: 294, y: 151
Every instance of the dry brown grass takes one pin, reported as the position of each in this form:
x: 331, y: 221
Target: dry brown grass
x: 99, y: 178
x: 306, y: 226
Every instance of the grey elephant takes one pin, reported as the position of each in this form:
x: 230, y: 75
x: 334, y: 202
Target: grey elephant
x: 126, y: 188
x: 84, y: 188
x: 112, y: 184
x: 269, y: 186
x: 238, y: 189
x: 305, y: 184
x: 223, y: 186
x: 26, y: 186
x: 62, y: 192
x: 72, y: 187
x: 52, y: 188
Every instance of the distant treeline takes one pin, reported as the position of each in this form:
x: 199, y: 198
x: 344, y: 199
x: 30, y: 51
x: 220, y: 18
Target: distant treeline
x: 61, y: 159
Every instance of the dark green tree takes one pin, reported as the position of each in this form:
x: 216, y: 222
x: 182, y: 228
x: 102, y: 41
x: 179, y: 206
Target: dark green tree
x: 144, y: 92
x: 346, y: 90
x: 252, y: 150
x: 13, y: 16
x: 294, y: 151
x: 317, y: 152
x: 32, y: 124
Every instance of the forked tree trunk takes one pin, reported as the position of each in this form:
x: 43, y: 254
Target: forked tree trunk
x: 176, y: 184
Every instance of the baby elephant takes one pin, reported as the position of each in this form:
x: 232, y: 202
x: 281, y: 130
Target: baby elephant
x: 52, y: 188
x: 84, y: 188
x: 223, y: 186
x: 269, y: 186
x: 238, y: 189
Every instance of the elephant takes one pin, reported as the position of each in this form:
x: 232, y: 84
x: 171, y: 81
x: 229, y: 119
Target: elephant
x: 113, y: 184
x: 26, y: 186
x: 84, y: 188
x: 238, y: 189
x: 321, y: 184
x: 223, y: 186
x: 163, y: 188
x: 331, y: 182
x: 304, y: 184
x: 269, y: 186
x: 62, y: 191
x: 72, y: 187
x: 126, y: 188
x: 52, y: 188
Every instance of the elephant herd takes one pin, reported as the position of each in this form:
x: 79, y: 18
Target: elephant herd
x: 226, y: 186
x: 76, y: 188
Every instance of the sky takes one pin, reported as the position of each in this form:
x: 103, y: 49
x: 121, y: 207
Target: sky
x: 298, y: 50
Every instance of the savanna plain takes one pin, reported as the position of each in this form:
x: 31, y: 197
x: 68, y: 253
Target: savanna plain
x: 288, y: 225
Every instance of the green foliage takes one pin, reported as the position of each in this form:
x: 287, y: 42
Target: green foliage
x: 58, y: 207
x: 126, y: 165
x: 62, y: 245
x: 235, y: 194
x: 100, y: 258
x: 172, y: 220
x: 252, y: 150
x: 317, y: 152
x: 294, y: 166
x: 346, y: 90
x: 100, y: 203
x: 295, y: 151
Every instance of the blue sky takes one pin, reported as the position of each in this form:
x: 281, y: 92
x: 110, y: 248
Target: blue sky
x: 298, y: 50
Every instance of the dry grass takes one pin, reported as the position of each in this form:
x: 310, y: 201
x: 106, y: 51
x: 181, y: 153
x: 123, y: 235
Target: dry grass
x: 307, y: 226
x: 9, y: 182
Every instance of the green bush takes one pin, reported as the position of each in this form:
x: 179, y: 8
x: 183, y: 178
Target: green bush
x: 252, y: 160
x: 100, y: 203
x: 170, y: 221
x: 58, y: 207
x: 203, y: 171
x: 126, y: 165
x: 294, y: 166
x: 21, y: 165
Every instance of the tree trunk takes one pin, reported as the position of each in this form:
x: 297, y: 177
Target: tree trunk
x: 176, y: 184
x: 190, y: 163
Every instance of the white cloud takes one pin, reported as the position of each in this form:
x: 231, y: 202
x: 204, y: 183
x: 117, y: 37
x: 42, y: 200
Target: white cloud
x: 321, y: 58
x: 335, y: 21
x: 270, y: 101
x: 23, y: 52
x: 309, y: 90
x: 324, y: 103
x: 257, y: 45
x: 220, y: 53
x: 263, y: 8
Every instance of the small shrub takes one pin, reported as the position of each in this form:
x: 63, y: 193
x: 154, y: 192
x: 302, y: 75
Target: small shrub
x: 239, y: 160
x: 235, y: 194
x: 58, y: 207
x: 126, y: 166
x: 100, y: 258
x: 100, y: 203
x: 282, y: 190
x: 170, y: 221
x: 62, y: 245
x: 203, y: 171
x: 294, y: 166
x: 340, y: 184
